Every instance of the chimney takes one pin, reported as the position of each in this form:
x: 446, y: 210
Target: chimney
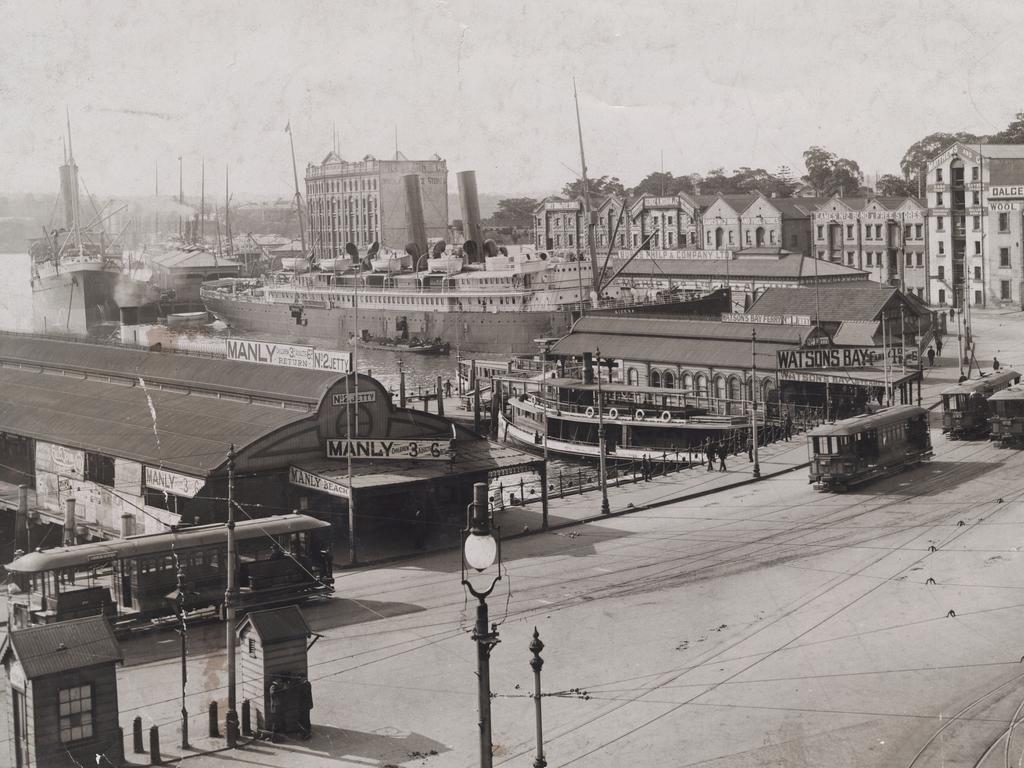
x: 469, y: 201
x: 69, y: 522
x: 588, y: 368
x: 417, y: 228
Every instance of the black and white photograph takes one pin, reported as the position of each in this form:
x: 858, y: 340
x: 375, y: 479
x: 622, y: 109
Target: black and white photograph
x: 452, y: 384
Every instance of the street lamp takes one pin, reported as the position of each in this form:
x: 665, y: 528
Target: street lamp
x: 481, y: 552
x: 178, y: 603
x: 602, y: 468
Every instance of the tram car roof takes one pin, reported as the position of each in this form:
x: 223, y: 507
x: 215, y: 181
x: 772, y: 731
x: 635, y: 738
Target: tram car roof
x: 893, y: 415
x: 1015, y: 392
x: 99, y: 552
x: 971, y: 386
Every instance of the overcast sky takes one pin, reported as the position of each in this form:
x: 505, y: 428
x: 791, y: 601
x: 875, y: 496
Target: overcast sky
x: 708, y: 83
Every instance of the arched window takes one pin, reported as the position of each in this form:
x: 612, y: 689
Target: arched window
x: 720, y: 388
x: 632, y: 377
x: 735, y: 388
x: 669, y: 380
x: 688, y: 381
x: 759, y: 236
x: 655, y: 379
x: 701, y: 384
x: 719, y: 237
x: 767, y: 390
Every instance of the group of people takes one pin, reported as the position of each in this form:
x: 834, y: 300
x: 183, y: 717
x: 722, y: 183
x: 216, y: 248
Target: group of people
x: 289, y: 700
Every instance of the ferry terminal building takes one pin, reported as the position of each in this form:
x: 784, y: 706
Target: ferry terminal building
x: 139, y: 440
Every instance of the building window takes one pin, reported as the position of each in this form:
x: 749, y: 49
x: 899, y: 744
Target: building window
x: 942, y: 272
x: 687, y: 381
x: 730, y: 236
x: 942, y: 295
x: 670, y: 220
x: 938, y: 175
x: 975, y: 173
x: 918, y: 231
x: 668, y: 381
x: 821, y: 233
x: 878, y: 231
x: 909, y: 260
x: 976, y: 198
x: 977, y: 247
x: 747, y: 233
x: 655, y: 379
x: 1004, y: 292
x: 252, y: 647
x: 794, y: 241
x: 849, y: 258
x: 849, y: 231
x: 942, y: 248
x: 940, y: 224
x: 977, y: 273
x: 99, y: 468
x: 938, y: 199
x: 976, y: 223
x: 1004, y: 222
x: 920, y: 259
x: 570, y: 239
x: 907, y: 231
x: 1004, y: 257
x: 771, y: 237
x: 75, y: 713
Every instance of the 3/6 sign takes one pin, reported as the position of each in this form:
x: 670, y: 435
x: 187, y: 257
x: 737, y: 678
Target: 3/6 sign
x: 430, y: 450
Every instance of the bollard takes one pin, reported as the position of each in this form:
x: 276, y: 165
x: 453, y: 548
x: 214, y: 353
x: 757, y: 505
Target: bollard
x: 522, y: 493
x: 138, y: 747
x: 561, y: 490
x: 579, y: 478
x: 154, y: 746
x: 214, y: 726
x: 246, y: 718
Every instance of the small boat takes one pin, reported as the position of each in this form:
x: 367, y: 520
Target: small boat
x: 447, y: 264
x: 334, y: 265
x: 294, y: 263
x: 410, y: 346
x: 388, y: 261
x: 179, y: 320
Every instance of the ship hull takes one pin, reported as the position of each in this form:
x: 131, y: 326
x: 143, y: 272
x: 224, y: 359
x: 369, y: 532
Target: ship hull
x: 476, y: 332
x: 83, y: 302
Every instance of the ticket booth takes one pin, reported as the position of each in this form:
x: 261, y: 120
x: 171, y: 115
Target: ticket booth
x: 61, y: 694
x: 274, y: 646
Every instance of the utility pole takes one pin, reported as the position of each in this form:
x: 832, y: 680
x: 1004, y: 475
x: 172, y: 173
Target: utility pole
x: 753, y: 399
x: 602, y: 466
x: 231, y: 718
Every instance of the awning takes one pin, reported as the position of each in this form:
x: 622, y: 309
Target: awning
x: 862, y: 377
x: 473, y: 457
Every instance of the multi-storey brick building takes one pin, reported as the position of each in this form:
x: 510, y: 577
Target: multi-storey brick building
x: 365, y: 201
x: 884, y: 236
x: 976, y: 228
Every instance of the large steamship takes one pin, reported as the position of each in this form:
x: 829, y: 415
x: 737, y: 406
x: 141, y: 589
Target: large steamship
x: 79, y: 279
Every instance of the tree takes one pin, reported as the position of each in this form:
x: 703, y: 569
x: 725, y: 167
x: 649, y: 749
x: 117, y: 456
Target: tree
x: 828, y: 173
x: 663, y: 183
x: 890, y: 185
x: 599, y: 187
x: 514, y: 212
x: 1012, y: 134
x: 915, y: 159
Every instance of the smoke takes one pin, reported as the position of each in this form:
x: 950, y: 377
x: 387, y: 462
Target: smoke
x: 143, y: 207
x: 134, y: 293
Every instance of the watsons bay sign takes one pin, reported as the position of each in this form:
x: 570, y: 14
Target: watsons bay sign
x: 850, y: 357
x: 431, y: 450
x: 288, y: 355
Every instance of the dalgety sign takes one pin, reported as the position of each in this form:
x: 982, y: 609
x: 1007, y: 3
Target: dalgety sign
x: 850, y: 357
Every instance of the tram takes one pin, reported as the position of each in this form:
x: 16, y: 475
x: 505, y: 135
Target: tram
x: 1007, y: 416
x: 865, y: 447
x: 965, y: 409
x: 134, y: 581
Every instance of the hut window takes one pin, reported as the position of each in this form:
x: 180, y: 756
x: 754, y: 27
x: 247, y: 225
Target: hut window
x: 75, y: 713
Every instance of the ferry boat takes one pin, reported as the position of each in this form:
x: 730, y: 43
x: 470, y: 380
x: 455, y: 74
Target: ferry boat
x: 500, y: 306
x: 79, y: 277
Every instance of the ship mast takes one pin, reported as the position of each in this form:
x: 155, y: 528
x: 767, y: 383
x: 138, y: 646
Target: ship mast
x: 586, y: 201
x: 227, y: 214
x: 298, y: 197
x: 76, y: 216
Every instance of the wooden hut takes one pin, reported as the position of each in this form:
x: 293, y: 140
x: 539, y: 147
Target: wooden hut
x: 61, y: 694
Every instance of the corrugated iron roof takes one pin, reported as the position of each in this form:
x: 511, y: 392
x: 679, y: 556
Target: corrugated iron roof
x: 790, y: 265
x: 52, y: 649
x: 849, y: 301
x: 229, y: 376
x: 195, y: 431
x: 277, y: 624
x: 856, y: 333
x: 683, y: 328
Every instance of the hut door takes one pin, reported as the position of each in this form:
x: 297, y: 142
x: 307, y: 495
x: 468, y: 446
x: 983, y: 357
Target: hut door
x: 20, y: 729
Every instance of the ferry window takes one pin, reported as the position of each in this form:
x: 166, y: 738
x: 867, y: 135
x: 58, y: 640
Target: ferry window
x: 632, y: 377
x: 99, y: 468
x: 655, y: 379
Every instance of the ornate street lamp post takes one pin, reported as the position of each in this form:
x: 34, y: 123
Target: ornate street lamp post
x: 602, y: 467
x: 481, y: 553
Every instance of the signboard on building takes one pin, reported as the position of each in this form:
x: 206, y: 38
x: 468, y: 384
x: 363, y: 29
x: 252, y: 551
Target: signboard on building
x: 59, y: 459
x: 1004, y: 207
x: 847, y: 357
x: 957, y: 150
x: 288, y: 355
x: 353, y: 397
x: 742, y: 317
x: 430, y: 450
x: 172, y: 482
x: 681, y: 254
x: 823, y: 378
x: 570, y: 206
x: 1006, y: 191
x: 302, y: 478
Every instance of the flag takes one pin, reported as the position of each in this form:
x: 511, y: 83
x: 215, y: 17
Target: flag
x: 288, y: 127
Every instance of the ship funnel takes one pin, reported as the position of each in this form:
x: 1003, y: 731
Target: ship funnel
x: 469, y: 200
x: 417, y: 228
x: 68, y: 184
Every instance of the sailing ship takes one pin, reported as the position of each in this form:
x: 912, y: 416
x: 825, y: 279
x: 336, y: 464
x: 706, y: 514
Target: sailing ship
x: 80, y: 281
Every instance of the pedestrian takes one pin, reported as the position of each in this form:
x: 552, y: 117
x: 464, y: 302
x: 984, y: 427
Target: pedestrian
x: 305, y: 707
x: 750, y: 449
x: 952, y: 314
x: 995, y: 363
x: 276, y: 710
x: 931, y: 356
x: 710, y: 453
x: 722, y: 453
x: 448, y: 388
x: 938, y: 345
x: 789, y: 426
x: 645, y: 468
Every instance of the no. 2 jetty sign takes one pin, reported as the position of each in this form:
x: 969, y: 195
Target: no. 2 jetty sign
x: 431, y: 450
